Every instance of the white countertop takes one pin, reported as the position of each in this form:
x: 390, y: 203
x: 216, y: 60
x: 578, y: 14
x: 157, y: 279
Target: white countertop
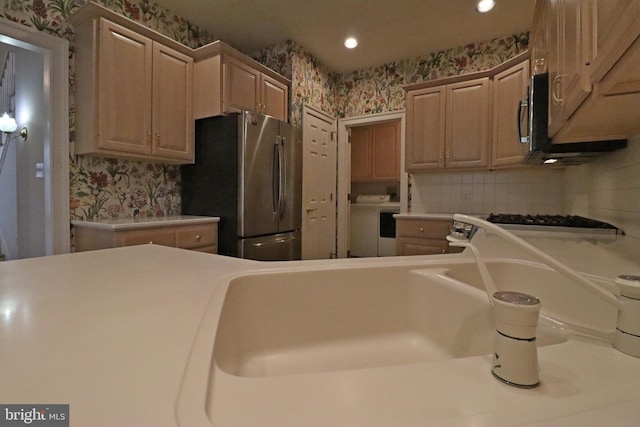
x: 110, y: 332
x: 118, y: 224
x: 426, y: 216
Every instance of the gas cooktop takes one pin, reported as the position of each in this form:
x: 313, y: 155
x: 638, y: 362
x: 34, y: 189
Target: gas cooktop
x: 573, y: 223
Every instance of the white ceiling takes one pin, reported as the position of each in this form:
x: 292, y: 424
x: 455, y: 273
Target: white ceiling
x: 388, y: 30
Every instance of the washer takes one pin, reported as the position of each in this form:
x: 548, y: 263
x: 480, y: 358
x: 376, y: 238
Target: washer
x: 371, y: 236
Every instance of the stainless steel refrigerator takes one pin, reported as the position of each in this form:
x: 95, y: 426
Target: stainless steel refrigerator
x: 248, y: 172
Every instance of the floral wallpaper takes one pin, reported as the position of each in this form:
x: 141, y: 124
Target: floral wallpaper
x: 101, y: 187
x: 312, y: 83
x: 378, y: 89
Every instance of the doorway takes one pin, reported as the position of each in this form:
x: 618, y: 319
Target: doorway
x: 344, y: 171
x: 41, y: 200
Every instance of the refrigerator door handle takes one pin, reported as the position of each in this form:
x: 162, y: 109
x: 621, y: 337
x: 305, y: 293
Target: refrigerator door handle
x: 275, y: 178
x: 279, y: 178
x: 283, y: 178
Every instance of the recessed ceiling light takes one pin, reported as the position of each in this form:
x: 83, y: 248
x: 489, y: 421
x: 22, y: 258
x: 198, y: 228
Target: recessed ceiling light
x: 350, y: 43
x: 484, y: 6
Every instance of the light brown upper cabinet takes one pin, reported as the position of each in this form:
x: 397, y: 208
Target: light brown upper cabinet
x: 509, y: 88
x: 567, y: 59
x: 375, y: 152
x: 591, y: 49
x: 228, y: 81
x: 467, y: 121
x: 468, y: 124
x: 133, y: 94
x: 448, y: 126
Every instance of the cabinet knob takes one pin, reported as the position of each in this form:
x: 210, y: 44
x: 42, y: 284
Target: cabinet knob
x: 422, y: 229
x: 151, y: 242
x: 198, y: 237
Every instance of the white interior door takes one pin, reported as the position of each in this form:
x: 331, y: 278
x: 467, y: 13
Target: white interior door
x: 319, y: 185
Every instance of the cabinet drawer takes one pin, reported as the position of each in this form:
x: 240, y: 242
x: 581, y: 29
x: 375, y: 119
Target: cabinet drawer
x: 415, y: 246
x: 196, y: 236
x: 157, y: 236
x: 431, y: 229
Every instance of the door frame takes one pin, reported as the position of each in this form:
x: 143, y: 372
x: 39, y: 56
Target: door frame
x: 344, y: 170
x: 55, y: 52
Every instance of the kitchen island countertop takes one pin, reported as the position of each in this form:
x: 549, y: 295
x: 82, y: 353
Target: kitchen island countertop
x: 110, y: 332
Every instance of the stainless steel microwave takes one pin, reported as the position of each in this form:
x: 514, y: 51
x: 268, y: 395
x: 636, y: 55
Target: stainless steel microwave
x: 533, y: 120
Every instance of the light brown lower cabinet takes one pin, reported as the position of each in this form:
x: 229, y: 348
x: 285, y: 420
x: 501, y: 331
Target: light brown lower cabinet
x: 198, y: 237
x: 423, y: 237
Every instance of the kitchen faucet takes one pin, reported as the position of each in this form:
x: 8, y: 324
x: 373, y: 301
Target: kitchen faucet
x: 627, y: 336
x: 515, y: 356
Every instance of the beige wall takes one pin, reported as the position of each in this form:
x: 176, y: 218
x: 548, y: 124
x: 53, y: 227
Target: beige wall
x: 608, y: 189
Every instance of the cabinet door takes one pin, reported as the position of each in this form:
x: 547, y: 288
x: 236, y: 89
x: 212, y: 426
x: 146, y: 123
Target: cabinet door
x: 385, y: 151
x: 569, y: 38
x: 173, y: 123
x: 361, y: 153
x: 425, y: 139
x: 615, y: 27
x: 274, y: 97
x: 468, y: 123
x: 241, y: 87
x: 124, y: 90
x: 617, y: 46
x: 539, y: 39
x: 509, y: 87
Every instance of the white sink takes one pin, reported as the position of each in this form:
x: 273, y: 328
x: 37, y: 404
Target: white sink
x: 275, y: 324
x: 280, y: 345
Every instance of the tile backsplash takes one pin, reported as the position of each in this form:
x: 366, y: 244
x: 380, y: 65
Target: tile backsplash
x: 524, y: 191
x: 608, y: 189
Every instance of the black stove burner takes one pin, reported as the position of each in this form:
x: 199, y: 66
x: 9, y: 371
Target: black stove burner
x: 550, y: 220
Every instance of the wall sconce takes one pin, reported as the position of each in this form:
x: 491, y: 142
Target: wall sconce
x: 8, y: 126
